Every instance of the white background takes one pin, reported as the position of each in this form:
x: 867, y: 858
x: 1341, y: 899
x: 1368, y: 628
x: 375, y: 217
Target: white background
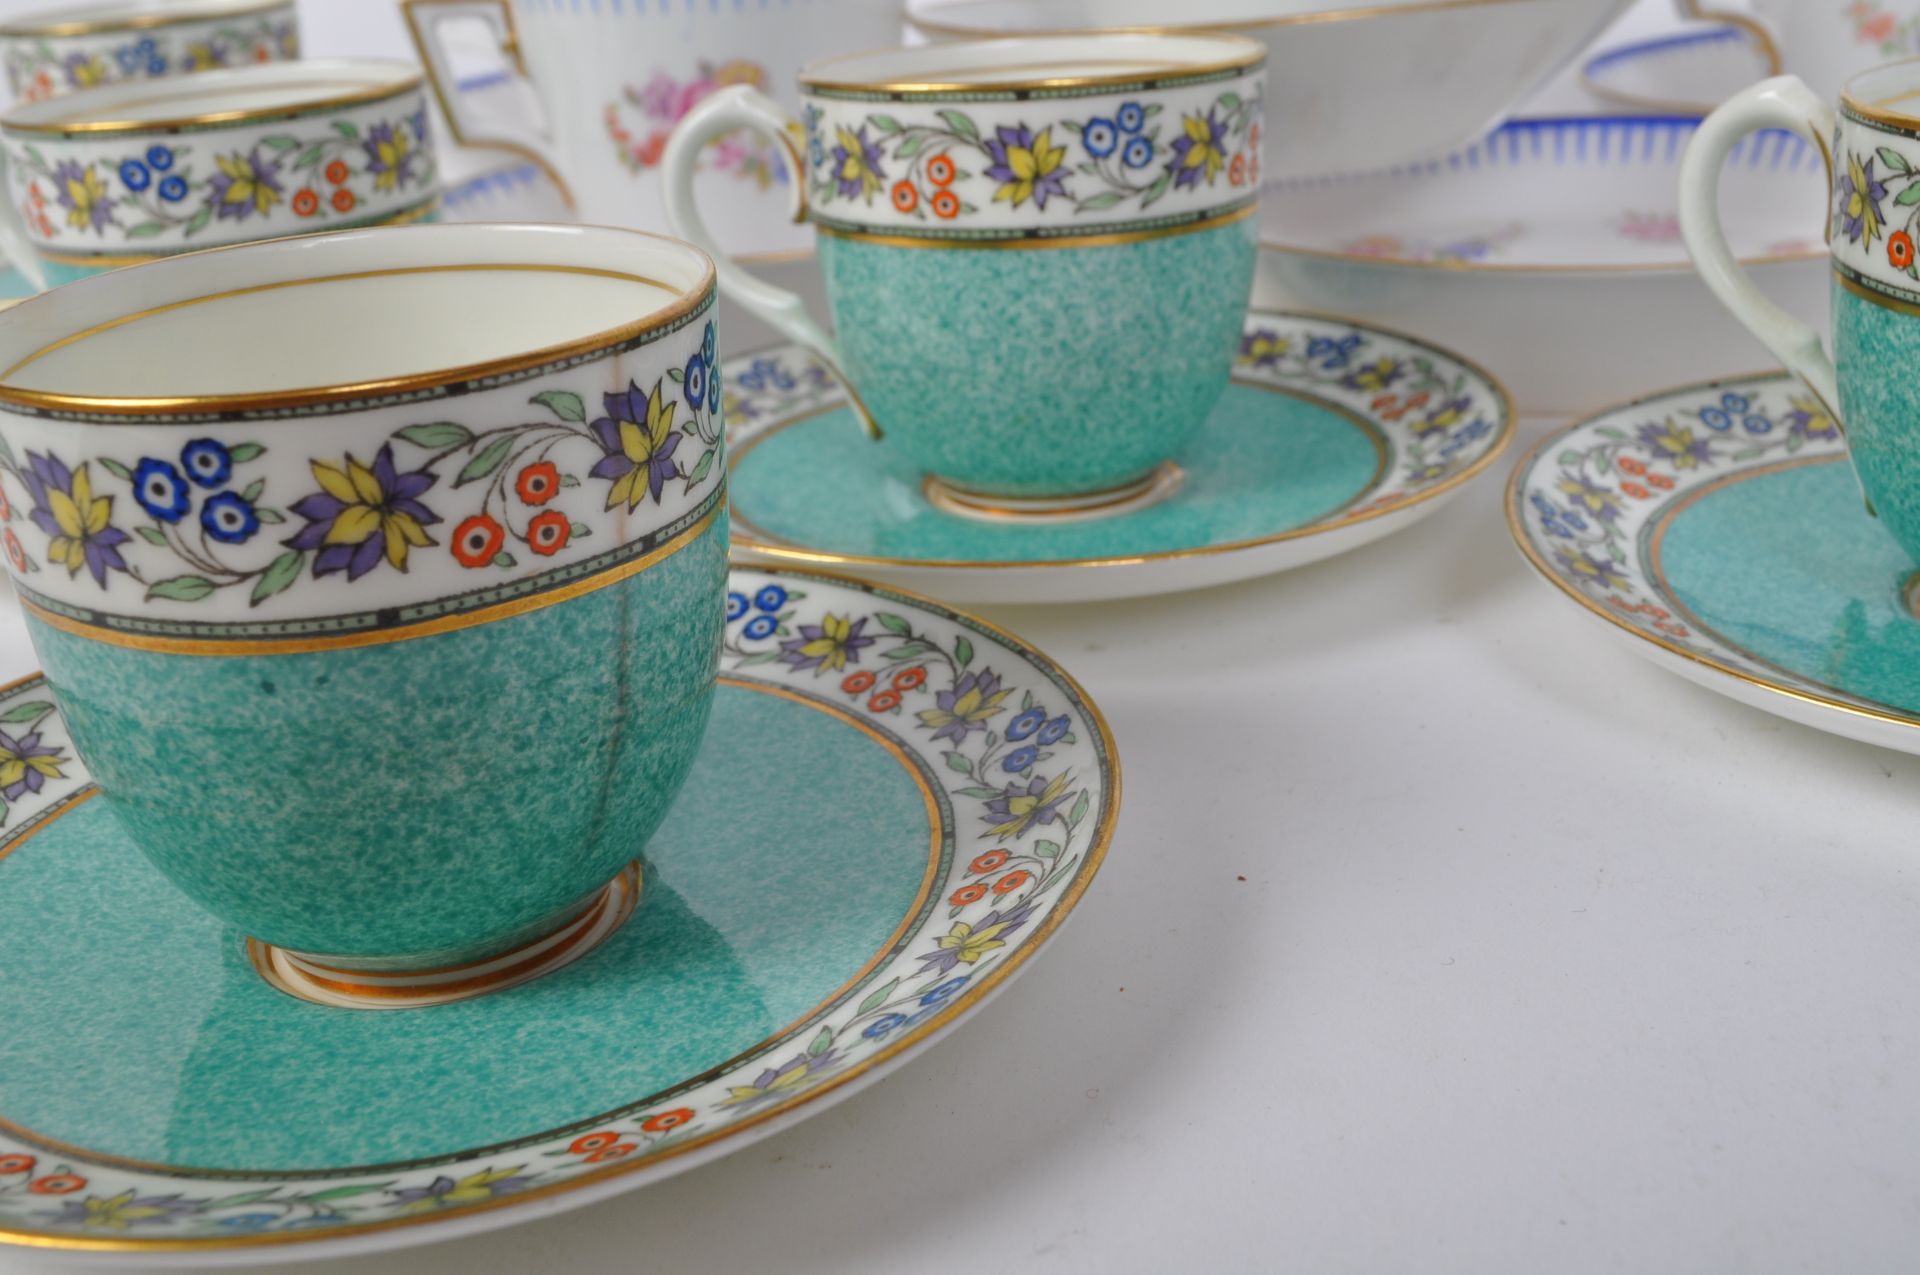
x: 1440, y: 934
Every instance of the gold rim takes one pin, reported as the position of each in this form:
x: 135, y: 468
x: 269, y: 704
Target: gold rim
x: 929, y: 26
x: 1873, y: 296
x: 964, y: 1004
x: 1028, y: 243
x: 1756, y: 30
x: 1516, y: 527
x: 70, y: 127
x: 744, y: 531
x: 405, y: 217
x: 1492, y: 268
x: 55, y: 27
x: 690, y: 301
x: 1877, y: 112
x: 1251, y: 58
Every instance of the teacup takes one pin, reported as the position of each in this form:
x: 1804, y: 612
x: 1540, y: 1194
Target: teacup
x: 86, y: 46
x: 132, y: 172
x: 1872, y: 146
x: 613, y: 79
x: 1038, y: 252
x: 380, y: 577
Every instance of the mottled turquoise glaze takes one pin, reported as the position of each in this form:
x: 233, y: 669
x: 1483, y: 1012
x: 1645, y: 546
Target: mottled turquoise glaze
x: 424, y: 799
x: 1880, y: 403
x: 149, y: 1036
x: 1787, y: 565
x: 1264, y: 463
x: 1041, y: 371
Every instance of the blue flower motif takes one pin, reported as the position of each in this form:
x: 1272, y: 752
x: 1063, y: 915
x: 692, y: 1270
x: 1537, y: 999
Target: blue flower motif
x: 318, y: 1219
x: 160, y: 490
x: 208, y: 463
x: 713, y: 391
x: 736, y: 606
x: 879, y: 1027
x: 1021, y: 760
x: 1099, y: 137
x: 1715, y: 419
x: 770, y: 598
x: 159, y: 158
x: 761, y: 626
x: 1333, y: 355
x: 1055, y: 730
x: 229, y: 518
x: 1027, y: 723
x: 1564, y: 523
x: 765, y: 374
x: 1137, y: 153
x: 173, y: 189
x: 946, y: 991
x: 695, y: 379
x: 1735, y: 402
x: 709, y: 345
x: 1132, y: 115
x: 1757, y: 424
x: 134, y: 175
x: 249, y: 1221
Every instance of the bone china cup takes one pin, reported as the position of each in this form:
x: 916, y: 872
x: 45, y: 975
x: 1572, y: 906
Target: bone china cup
x: 73, y: 47
x: 126, y: 174
x: 1038, y: 252
x: 1866, y: 385
x: 379, y: 575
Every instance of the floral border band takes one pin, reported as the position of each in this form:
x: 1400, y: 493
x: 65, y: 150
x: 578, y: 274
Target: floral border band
x: 1022, y: 166
x: 45, y: 66
x: 1875, y: 206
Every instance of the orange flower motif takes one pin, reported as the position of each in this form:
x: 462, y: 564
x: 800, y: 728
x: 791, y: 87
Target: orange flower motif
x: 905, y: 197
x: 338, y: 172
x: 587, y: 1142
x: 940, y: 170
x: 344, y: 200
x: 1900, y: 249
x: 946, y: 204
x: 858, y: 682
x: 538, y: 483
x: 548, y: 533
x: 16, y: 552
x: 989, y: 861
x: 57, y: 1184
x: 1628, y: 465
x: 1012, y: 881
x: 306, y: 202
x: 967, y: 894
x: 1635, y: 490
x: 909, y: 679
x: 667, y: 1120
x: 884, y: 702
x: 477, y: 541
x: 614, y: 1152
x: 11, y: 1164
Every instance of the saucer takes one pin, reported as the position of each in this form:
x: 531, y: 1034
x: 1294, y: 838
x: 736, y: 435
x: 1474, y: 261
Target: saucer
x: 1331, y: 435
x: 1721, y: 526
x: 1687, y: 74
x: 896, y: 806
x: 512, y: 191
x: 1542, y: 251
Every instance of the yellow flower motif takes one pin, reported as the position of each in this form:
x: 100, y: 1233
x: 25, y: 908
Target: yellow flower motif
x: 389, y: 152
x: 977, y: 698
x: 15, y: 765
x: 1376, y: 375
x: 829, y: 650
x: 117, y: 1213
x: 86, y: 72
x: 1861, y: 206
x: 80, y: 514
x: 1027, y: 171
x: 1202, y: 150
x: 202, y: 57
x: 1022, y: 808
x: 969, y: 944
x: 84, y: 190
x: 368, y: 511
x: 646, y: 445
x: 1264, y: 347
x: 856, y: 175
x: 471, y: 1189
x: 246, y: 184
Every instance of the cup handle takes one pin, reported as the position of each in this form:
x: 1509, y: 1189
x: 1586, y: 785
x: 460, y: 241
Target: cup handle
x: 14, y: 241
x: 424, y: 20
x: 723, y: 112
x: 1782, y: 102
x: 1758, y: 29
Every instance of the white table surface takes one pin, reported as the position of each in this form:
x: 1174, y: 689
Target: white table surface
x: 1440, y: 934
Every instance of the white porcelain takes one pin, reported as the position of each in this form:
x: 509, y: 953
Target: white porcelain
x: 1351, y: 87
x: 513, y: 191
x: 1821, y: 41
x: 66, y: 49
x: 1685, y: 74
x: 613, y: 78
x: 1551, y: 252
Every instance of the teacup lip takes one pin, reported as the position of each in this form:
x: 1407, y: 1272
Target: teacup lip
x: 1858, y: 95
x: 960, y: 66
x: 104, y: 110
x: 919, y: 18
x: 130, y: 15
x: 185, y: 408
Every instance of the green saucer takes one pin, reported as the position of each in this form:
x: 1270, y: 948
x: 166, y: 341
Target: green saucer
x: 895, y: 805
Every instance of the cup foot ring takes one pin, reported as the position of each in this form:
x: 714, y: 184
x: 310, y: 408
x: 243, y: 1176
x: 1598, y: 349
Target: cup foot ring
x: 310, y: 979
x: 1157, y: 486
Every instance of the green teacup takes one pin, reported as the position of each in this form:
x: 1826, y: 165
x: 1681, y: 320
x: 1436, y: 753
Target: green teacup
x: 380, y: 578
x: 1038, y: 252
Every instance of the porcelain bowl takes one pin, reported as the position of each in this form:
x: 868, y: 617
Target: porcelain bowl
x: 1353, y: 86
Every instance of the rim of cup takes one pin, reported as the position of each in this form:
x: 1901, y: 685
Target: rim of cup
x: 131, y: 15
x: 264, y: 91
x: 1035, y: 62
x: 1859, y: 94
x: 1238, y: 15
x: 66, y: 316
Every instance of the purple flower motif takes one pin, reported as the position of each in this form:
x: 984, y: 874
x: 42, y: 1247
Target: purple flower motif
x: 389, y: 157
x: 856, y: 163
x: 83, y: 193
x: 1022, y: 807
x: 25, y: 765
x: 245, y: 185
x: 1587, y: 569
x: 830, y: 645
x: 1585, y: 494
x: 1677, y: 444
x: 1858, y: 200
x: 966, y: 944
x: 638, y: 436
x: 790, y: 1077
x: 1199, y: 151
x: 363, y: 513
x: 1026, y: 164
x: 75, y: 520
x: 119, y: 1212
x: 443, y: 1192
x: 975, y: 699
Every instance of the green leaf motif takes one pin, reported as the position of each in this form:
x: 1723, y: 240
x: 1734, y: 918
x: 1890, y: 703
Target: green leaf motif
x: 244, y: 452
x: 893, y: 623
x: 199, y: 222
x: 962, y: 651
x: 1046, y: 849
x: 1079, y: 811
x: 153, y: 535
x: 491, y: 457
x: 959, y: 762
x: 885, y: 123
x: 278, y: 577
x: 254, y: 488
x: 436, y: 435
x: 1095, y: 203
x: 505, y: 560
x: 877, y: 997
x: 344, y: 1192
x: 962, y: 125
x: 1156, y: 190
x: 568, y: 407
x: 348, y: 129
x: 1910, y: 196
x: 273, y: 516
x: 181, y: 589
x: 821, y: 1043
x: 908, y: 651
x: 911, y: 147
x: 1894, y: 161
x: 146, y: 230
x: 310, y: 156
x: 31, y: 711
x: 279, y: 143
x: 980, y: 794
x: 704, y: 467
x: 115, y: 468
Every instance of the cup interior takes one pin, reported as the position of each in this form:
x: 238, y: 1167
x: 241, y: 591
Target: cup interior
x: 1006, y: 17
x: 215, y: 96
x: 76, y: 19
x: 1051, y: 60
x: 1892, y: 90
x: 342, y: 315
